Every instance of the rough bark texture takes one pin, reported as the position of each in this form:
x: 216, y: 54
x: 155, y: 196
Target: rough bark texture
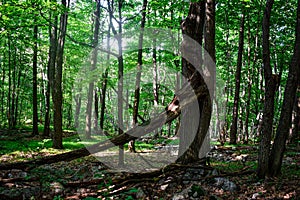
x: 270, y: 86
x: 282, y: 132
x: 192, y: 27
x: 233, y: 127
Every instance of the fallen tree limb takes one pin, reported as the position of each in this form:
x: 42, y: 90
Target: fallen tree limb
x: 133, y: 133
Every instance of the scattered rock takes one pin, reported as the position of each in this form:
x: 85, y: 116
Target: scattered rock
x: 56, y: 187
x: 255, y: 195
x: 194, y: 191
x: 225, y: 184
x: 164, y: 187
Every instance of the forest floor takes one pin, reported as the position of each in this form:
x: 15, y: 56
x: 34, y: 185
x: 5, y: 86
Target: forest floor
x: 230, y: 174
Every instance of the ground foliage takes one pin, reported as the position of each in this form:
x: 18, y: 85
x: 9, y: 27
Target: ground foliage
x: 229, y: 175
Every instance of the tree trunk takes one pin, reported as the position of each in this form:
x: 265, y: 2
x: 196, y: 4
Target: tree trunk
x: 35, y: 130
x: 102, y: 100
x: 104, y: 82
x: 9, y: 86
x: 96, y: 112
x: 209, y: 42
x: 190, y: 146
x: 13, y: 93
x: 120, y: 85
x: 89, y: 113
x: 249, y: 87
x: 57, y: 95
x: 233, y: 127
x: 282, y: 132
x: 2, y: 96
x: 77, y: 108
x: 46, y: 132
x: 51, y: 65
x: 270, y: 86
x: 296, y: 120
x: 155, y: 74
x: 131, y: 144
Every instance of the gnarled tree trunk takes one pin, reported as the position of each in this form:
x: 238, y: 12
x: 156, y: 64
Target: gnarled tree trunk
x: 194, y: 120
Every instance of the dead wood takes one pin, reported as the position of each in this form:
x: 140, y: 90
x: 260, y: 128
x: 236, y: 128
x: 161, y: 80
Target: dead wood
x: 133, y: 133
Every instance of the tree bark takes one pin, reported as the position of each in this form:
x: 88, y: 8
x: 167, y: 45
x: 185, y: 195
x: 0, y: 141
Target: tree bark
x: 192, y: 27
x: 57, y: 94
x: 131, y: 144
x: 249, y: 87
x: 235, y: 115
x: 51, y: 63
x: 120, y: 84
x: 296, y: 120
x: 155, y: 74
x: 89, y: 113
x: 35, y: 130
x: 9, y: 118
x: 46, y: 132
x: 210, y: 47
x: 282, y: 132
x: 2, y: 95
x: 270, y: 86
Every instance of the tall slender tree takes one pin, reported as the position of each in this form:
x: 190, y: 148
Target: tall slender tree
x: 57, y: 93
x: 104, y: 82
x: 88, y: 119
x: 35, y: 130
x: 270, y: 87
x: 53, y: 19
x: 138, y: 74
x: 233, y: 127
x: 282, y: 132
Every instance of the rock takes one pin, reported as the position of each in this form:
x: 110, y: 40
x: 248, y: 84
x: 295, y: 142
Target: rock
x: 185, y: 182
x: 178, y: 197
x: 215, y: 172
x: 255, y: 195
x: 163, y: 187
x: 194, y: 191
x: 195, y: 194
x: 56, y: 187
x: 225, y: 184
